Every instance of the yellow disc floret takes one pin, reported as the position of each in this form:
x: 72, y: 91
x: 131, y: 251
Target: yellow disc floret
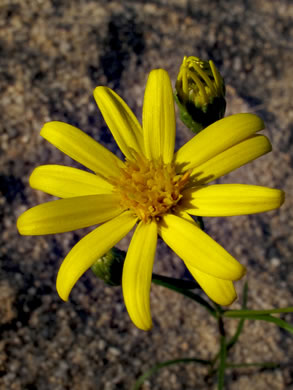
x: 149, y: 188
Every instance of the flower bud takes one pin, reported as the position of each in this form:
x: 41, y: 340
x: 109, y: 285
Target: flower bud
x: 199, y: 93
x: 109, y: 267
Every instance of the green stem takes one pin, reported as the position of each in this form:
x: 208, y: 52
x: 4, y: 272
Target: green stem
x: 240, y: 325
x: 167, y: 363
x: 232, y: 341
x: 236, y: 335
x: 186, y: 293
x: 222, y: 355
x: 181, y: 283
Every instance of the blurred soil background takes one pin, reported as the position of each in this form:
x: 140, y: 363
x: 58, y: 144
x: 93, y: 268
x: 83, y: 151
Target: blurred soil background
x: 53, y: 53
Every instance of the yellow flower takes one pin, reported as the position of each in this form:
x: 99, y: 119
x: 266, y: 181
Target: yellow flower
x: 155, y: 188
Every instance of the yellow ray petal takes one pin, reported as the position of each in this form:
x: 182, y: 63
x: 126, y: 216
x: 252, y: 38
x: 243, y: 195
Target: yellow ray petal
x: 67, y: 182
x: 121, y: 121
x: 159, y: 117
x: 137, y: 274
x: 216, y: 138
x: 221, y: 200
x: 82, y: 148
x: 64, y: 215
x: 199, y: 250
x: 218, y: 290
x: 90, y: 248
x: 231, y: 159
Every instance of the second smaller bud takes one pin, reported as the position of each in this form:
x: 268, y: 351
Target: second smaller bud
x: 109, y: 267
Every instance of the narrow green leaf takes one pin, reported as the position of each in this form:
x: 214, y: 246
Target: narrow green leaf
x: 167, y: 363
x: 268, y: 318
x: 246, y: 313
x: 245, y: 295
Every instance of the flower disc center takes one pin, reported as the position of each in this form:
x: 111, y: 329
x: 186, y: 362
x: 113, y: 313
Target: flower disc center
x: 149, y: 188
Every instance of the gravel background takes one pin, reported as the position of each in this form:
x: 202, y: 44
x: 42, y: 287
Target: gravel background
x: 52, y: 55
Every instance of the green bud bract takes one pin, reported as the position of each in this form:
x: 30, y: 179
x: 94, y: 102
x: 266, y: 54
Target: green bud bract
x: 109, y: 267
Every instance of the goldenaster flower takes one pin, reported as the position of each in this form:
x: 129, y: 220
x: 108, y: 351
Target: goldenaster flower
x: 153, y: 188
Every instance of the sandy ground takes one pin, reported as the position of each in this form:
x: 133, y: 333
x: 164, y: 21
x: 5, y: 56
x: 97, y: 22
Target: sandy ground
x: 52, y: 55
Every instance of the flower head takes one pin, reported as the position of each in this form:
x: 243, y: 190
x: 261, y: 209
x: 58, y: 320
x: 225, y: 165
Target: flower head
x: 199, y: 93
x: 153, y: 188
